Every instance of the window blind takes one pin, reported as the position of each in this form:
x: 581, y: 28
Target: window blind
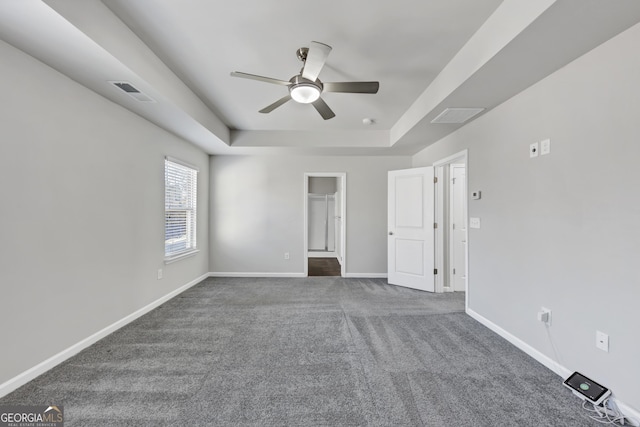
x: 180, y: 194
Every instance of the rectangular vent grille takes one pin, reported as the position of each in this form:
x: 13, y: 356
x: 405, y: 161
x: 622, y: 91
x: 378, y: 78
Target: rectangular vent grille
x: 456, y: 115
x: 130, y: 90
x: 126, y: 87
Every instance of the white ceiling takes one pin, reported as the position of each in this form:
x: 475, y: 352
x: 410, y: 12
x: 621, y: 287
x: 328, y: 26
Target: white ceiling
x: 403, y: 44
x: 427, y: 56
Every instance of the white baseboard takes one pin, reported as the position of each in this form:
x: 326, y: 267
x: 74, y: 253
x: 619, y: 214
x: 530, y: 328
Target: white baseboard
x: 321, y: 254
x: 243, y: 274
x: 366, y: 275
x: 546, y: 360
x: 30, y: 374
x: 629, y: 412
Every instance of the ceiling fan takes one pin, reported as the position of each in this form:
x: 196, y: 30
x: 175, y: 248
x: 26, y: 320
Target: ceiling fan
x: 305, y: 87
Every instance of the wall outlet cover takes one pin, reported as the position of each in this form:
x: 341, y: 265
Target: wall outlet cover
x: 533, y: 150
x: 602, y: 341
x: 545, y: 147
x: 544, y: 316
x: 474, y: 222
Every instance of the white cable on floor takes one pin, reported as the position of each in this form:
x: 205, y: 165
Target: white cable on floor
x: 608, y: 413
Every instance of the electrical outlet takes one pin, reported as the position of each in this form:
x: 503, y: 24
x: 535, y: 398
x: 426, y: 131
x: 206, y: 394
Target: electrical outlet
x: 159, y: 273
x: 544, y: 316
x: 533, y: 150
x: 286, y: 255
x: 602, y: 341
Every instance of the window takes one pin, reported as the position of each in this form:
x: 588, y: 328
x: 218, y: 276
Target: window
x: 180, y: 194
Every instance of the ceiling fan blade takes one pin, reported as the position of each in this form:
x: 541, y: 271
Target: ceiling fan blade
x: 275, y: 105
x: 259, y: 78
x: 352, y: 87
x: 323, y: 109
x: 316, y: 57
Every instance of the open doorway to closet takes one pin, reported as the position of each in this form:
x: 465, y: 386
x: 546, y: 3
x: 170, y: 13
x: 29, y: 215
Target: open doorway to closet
x: 451, y: 245
x: 325, y: 229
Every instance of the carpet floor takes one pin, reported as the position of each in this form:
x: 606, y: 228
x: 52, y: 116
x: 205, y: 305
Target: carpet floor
x: 305, y: 352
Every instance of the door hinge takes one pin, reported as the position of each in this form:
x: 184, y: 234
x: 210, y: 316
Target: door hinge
x: 435, y: 225
x: 453, y: 180
x: 454, y: 271
x: 435, y: 179
x: 435, y: 271
x: 453, y: 226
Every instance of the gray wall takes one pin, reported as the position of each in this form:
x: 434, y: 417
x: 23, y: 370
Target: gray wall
x: 322, y: 185
x: 82, y: 218
x: 562, y: 230
x: 257, y: 206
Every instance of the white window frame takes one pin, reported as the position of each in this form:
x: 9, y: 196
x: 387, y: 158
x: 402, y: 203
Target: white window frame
x: 177, y: 243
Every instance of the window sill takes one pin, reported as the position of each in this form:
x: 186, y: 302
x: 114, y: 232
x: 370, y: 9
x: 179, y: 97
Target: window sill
x: 178, y: 257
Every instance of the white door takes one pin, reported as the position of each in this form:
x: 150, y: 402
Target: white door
x: 410, y: 228
x: 337, y: 225
x: 458, y: 222
x: 331, y: 223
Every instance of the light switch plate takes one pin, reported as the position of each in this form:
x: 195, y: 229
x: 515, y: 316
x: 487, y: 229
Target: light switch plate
x: 545, y: 147
x: 474, y: 222
x: 476, y: 195
x: 533, y: 150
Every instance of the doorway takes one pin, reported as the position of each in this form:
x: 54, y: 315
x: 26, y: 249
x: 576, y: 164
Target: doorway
x: 324, y: 224
x: 451, y: 244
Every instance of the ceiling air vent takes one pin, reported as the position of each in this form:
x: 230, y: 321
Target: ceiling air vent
x: 456, y: 115
x: 132, y: 91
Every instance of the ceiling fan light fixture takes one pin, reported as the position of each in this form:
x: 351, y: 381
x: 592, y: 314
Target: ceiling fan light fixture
x: 304, y: 93
x: 306, y: 87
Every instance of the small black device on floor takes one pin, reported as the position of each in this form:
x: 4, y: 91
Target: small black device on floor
x: 586, y: 388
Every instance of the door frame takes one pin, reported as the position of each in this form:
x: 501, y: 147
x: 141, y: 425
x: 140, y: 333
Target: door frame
x: 442, y: 209
x: 342, y: 185
x: 450, y: 218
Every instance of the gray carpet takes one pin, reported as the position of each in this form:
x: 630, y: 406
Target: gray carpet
x: 305, y: 352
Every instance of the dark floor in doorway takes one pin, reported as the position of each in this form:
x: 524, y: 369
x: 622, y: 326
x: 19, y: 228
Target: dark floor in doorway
x: 324, y: 267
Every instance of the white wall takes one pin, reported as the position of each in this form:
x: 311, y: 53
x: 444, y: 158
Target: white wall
x: 257, y: 206
x: 82, y: 218
x: 562, y: 230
